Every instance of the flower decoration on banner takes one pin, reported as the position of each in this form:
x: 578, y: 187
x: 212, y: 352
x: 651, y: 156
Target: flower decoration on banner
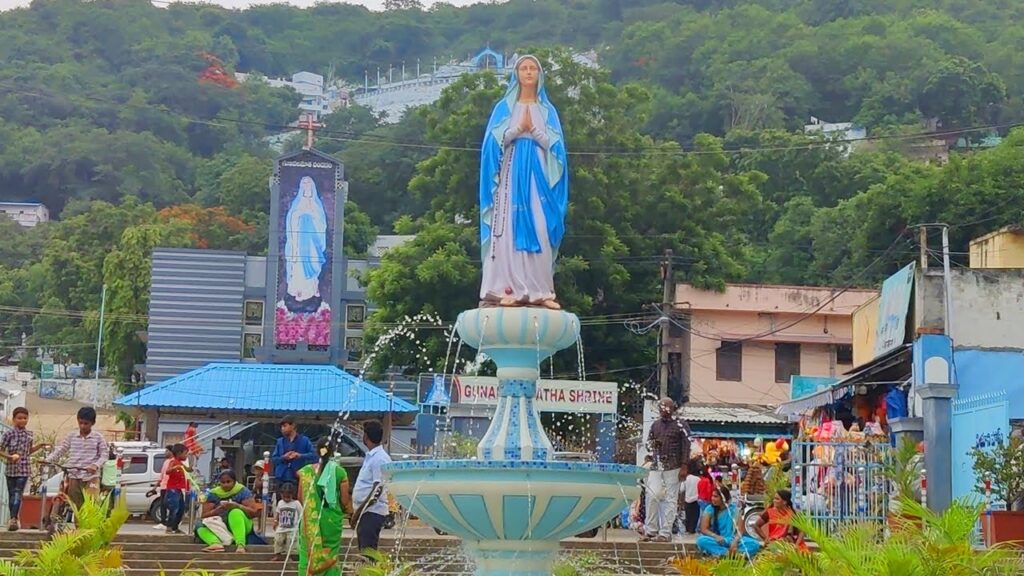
x: 313, y: 328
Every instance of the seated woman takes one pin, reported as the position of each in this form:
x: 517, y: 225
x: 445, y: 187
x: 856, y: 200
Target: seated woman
x: 227, y: 514
x: 720, y: 533
x: 775, y: 523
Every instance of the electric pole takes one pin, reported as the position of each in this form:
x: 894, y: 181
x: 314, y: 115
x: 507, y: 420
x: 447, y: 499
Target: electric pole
x: 667, y: 302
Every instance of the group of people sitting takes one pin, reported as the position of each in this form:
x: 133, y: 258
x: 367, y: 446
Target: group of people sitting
x: 313, y: 499
x: 722, y: 533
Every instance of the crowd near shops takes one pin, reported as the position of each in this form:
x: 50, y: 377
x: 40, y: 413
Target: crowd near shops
x: 736, y: 496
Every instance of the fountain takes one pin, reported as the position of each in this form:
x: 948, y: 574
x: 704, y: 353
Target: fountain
x: 513, y: 504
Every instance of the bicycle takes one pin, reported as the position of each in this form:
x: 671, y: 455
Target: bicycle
x: 62, y: 514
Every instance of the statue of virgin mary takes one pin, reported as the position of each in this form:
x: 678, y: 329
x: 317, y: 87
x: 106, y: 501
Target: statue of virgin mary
x: 524, y: 193
x: 305, y: 247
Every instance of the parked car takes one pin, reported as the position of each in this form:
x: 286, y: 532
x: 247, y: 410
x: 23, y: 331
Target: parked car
x: 142, y: 464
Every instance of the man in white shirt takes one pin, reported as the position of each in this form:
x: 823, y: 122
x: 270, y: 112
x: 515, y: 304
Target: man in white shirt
x: 688, y: 490
x: 371, y: 506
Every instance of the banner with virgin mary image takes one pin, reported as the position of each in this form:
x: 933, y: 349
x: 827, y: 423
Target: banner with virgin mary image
x: 307, y: 196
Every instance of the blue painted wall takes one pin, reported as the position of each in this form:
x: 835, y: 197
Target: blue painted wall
x: 990, y: 372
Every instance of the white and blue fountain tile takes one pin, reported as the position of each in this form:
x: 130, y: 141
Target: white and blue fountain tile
x: 513, y: 500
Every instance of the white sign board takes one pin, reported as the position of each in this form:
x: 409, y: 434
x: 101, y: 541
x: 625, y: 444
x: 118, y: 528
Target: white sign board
x: 552, y: 395
x: 893, y: 309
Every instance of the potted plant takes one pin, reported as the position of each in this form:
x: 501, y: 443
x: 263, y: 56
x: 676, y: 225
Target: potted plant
x: 902, y: 468
x: 1001, y: 461
x: 33, y: 504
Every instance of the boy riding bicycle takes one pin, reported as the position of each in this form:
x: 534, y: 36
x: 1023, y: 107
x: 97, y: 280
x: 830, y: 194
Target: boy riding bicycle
x: 86, y: 451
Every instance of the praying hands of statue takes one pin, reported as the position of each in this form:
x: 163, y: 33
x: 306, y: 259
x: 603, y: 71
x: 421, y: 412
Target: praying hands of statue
x: 527, y: 125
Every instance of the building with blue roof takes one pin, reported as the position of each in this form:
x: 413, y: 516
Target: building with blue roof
x: 268, y: 391
x: 235, y: 341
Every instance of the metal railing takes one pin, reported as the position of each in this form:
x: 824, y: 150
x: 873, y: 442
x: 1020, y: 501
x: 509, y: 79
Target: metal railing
x: 840, y: 483
x: 56, y: 389
x: 4, y: 512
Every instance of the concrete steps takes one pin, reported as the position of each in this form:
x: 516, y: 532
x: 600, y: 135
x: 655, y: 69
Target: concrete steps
x: 148, y: 554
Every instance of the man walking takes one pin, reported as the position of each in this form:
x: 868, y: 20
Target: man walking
x: 291, y: 453
x: 669, y: 443
x: 368, y: 495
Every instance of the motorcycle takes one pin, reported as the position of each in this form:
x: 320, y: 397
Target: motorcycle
x: 753, y: 508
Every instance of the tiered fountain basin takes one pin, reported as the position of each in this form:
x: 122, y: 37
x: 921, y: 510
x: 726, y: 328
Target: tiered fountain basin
x: 512, y: 514
x: 513, y: 504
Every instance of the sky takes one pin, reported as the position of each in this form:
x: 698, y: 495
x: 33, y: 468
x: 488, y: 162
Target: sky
x: 372, y: 4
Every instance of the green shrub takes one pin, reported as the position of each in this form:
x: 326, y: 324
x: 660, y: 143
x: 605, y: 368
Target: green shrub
x: 926, y: 544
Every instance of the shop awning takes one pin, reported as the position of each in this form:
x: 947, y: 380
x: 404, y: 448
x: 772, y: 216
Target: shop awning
x: 893, y: 367
x: 741, y: 435
x: 710, y: 413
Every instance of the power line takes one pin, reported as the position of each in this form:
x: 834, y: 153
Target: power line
x: 668, y: 316
x: 665, y: 149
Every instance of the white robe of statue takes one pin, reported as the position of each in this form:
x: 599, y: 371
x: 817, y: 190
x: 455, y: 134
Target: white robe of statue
x: 507, y: 272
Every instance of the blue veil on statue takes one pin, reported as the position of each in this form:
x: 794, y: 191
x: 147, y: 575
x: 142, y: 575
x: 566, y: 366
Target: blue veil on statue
x: 551, y: 175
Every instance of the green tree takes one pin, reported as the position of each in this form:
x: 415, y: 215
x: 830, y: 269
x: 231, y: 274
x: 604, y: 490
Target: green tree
x: 74, y: 253
x: 962, y: 93
x: 19, y: 245
x: 126, y: 275
x: 625, y: 209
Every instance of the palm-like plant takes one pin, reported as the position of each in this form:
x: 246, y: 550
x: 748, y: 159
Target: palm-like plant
x: 190, y: 572
x: 383, y: 565
x: 902, y: 469
x: 83, y: 551
x: 929, y: 544
x: 63, y: 556
x: 580, y: 564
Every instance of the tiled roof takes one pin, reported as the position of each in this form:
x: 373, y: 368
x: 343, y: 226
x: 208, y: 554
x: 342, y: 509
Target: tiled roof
x: 279, y: 388
x: 730, y: 414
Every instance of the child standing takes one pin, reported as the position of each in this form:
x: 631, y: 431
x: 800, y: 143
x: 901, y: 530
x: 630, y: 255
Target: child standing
x: 16, y: 448
x: 689, y: 492
x: 286, y: 521
x: 705, y: 488
x: 177, y: 486
x: 161, y: 488
x: 86, y: 451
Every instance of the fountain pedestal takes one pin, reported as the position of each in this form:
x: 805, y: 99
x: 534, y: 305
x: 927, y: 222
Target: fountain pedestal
x: 518, y: 340
x: 513, y: 504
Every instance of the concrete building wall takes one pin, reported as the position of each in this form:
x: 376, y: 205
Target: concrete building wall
x: 865, y: 331
x: 199, y: 303
x: 1000, y: 249
x: 26, y: 214
x: 762, y: 317
x: 817, y: 338
x: 988, y: 306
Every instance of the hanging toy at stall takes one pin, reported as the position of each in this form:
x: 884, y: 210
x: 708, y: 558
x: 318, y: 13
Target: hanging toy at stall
x: 773, y: 452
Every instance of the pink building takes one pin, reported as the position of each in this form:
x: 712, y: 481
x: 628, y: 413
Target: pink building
x: 742, y: 345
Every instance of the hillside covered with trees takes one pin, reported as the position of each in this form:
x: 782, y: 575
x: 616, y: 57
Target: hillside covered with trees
x: 689, y: 137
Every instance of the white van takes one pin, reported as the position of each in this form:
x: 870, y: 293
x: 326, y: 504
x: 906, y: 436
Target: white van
x: 142, y: 464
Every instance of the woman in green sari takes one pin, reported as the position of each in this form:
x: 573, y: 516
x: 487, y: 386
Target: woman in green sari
x: 325, y: 497
x: 227, y: 514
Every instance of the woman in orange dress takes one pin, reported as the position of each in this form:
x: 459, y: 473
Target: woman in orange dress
x: 776, y: 522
